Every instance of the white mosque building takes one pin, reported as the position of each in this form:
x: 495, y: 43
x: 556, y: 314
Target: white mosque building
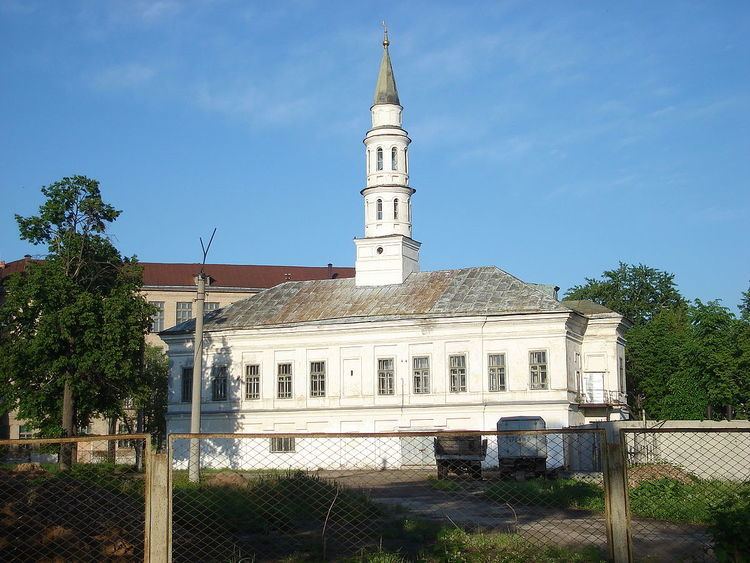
x: 395, y: 348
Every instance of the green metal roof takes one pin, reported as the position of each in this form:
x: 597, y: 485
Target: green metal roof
x: 385, y: 89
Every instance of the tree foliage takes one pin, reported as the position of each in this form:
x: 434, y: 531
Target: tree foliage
x: 744, y: 305
x: 149, y: 397
x: 637, y: 292
x: 75, y: 319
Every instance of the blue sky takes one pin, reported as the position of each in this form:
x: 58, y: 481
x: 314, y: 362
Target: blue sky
x: 552, y: 139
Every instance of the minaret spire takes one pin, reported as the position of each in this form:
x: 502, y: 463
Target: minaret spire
x: 385, y: 88
x: 387, y: 254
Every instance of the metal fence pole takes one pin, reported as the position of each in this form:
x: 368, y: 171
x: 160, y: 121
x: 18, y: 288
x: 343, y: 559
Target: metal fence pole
x: 619, y: 537
x: 157, y: 502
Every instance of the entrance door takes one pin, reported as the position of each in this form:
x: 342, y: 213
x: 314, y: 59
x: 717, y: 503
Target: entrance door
x: 593, y: 387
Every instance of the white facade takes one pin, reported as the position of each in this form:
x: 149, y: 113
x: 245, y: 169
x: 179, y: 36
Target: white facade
x: 404, y: 356
x: 350, y: 351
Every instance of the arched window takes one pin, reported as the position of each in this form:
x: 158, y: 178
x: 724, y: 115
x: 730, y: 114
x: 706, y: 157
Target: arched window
x: 406, y: 163
x: 379, y: 209
x: 380, y: 158
x: 394, y: 158
x: 395, y: 206
x: 367, y: 164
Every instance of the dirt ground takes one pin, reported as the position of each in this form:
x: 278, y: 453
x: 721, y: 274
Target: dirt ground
x: 466, y: 506
x: 45, y: 518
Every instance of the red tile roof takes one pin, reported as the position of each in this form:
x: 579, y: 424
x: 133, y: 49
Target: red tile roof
x: 236, y: 275
x: 162, y: 274
x: 8, y: 268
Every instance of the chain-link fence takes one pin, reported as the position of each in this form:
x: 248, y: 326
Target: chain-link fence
x: 78, y: 499
x: 410, y: 495
x: 689, y: 493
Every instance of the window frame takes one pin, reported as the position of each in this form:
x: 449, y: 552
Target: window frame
x: 318, y: 379
x: 395, y: 209
x: 499, y: 369
x: 186, y: 371
x: 542, y: 369
x: 124, y: 444
x: 255, y: 376
x: 379, y: 209
x: 219, y: 373
x: 213, y: 306
x: 182, y: 307
x: 394, y: 159
x: 422, y: 373
x: 379, y: 159
x: 157, y: 319
x: 25, y: 432
x: 386, y: 378
x: 288, y: 394
x: 282, y: 445
x: 457, y: 379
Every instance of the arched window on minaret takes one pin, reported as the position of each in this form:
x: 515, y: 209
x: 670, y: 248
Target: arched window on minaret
x: 395, y: 207
x: 379, y: 209
x: 368, y: 164
x: 394, y: 158
x: 380, y: 158
x: 406, y: 163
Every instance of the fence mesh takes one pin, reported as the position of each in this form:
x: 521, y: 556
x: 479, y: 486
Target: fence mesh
x: 415, y: 495
x: 689, y: 493
x: 92, y: 511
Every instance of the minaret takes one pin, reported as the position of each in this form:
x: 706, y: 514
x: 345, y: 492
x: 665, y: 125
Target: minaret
x: 387, y: 254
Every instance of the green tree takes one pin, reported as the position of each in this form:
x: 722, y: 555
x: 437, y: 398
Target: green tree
x: 72, y: 326
x: 657, y: 371
x: 636, y: 292
x: 744, y: 305
x: 149, y: 398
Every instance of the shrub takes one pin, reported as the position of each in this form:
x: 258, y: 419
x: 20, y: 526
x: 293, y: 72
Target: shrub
x: 731, y: 528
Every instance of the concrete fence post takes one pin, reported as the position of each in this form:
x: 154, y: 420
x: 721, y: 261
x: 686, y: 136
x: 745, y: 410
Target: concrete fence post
x: 616, y: 489
x: 157, y: 509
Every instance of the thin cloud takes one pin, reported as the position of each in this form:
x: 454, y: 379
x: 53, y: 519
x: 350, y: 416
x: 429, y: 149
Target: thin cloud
x: 153, y: 11
x: 250, y: 104
x: 124, y: 76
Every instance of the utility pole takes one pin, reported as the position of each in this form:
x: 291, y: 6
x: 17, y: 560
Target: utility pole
x: 201, y: 280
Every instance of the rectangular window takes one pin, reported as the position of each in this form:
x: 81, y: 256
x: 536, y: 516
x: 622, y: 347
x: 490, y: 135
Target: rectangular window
x: 421, y: 373
x: 385, y: 377
x: 184, y: 311
x: 186, y: 384
x: 317, y: 379
x: 123, y: 429
x: 25, y: 432
x: 538, y: 369
x: 252, y: 382
x: 282, y: 445
x: 457, y: 365
x: 284, y: 381
x: 219, y: 383
x: 157, y: 321
x: 496, y: 371
x: 210, y: 306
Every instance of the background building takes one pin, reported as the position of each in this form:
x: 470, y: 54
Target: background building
x: 171, y: 288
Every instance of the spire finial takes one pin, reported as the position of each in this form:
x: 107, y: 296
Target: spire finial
x: 385, y: 35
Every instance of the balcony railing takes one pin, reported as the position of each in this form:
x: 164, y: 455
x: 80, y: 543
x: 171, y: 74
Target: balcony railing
x: 602, y: 397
